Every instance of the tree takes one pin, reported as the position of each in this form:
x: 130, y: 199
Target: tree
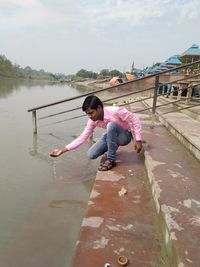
x: 86, y: 74
x: 104, y: 74
x: 8, y: 69
x: 114, y: 73
x: 5, y: 65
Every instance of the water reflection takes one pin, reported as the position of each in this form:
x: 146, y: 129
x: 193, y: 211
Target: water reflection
x: 8, y: 86
x: 65, y: 202
x: 71, y: 167
x: 42, y: 200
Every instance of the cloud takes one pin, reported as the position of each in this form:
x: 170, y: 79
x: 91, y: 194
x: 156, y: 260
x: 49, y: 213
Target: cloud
x: 189, y: 11
x: 21, y: 14
x: 131, y: 12
x: 100, y: 14
x: 94, y: 32
x: 34, y: 14
x: 68, y: 15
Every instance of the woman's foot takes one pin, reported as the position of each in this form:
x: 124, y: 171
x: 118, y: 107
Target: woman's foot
x: 107, y: 165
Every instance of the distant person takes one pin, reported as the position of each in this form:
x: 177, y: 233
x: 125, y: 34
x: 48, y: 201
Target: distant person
x: 119, y: 124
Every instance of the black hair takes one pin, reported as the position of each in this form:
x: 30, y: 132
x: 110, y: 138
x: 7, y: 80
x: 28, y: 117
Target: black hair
x: 92, y: 102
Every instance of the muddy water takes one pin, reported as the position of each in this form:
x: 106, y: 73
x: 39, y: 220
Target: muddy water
x: 42, y: 200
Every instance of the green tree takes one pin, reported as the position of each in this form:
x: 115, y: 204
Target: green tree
x: 6, y: 67
x: 104, y: 73
x: 86, y: 74
x: 115, y: 72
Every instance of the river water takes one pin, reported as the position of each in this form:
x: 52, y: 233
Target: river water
x: 42, y: 199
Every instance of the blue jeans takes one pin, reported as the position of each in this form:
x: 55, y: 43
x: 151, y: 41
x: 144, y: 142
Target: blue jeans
x: 109, y: 142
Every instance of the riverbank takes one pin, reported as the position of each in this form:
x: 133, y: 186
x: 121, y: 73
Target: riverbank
x: 91, y: 83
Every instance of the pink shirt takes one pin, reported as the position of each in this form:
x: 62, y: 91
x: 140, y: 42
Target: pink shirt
x: 121, y: 116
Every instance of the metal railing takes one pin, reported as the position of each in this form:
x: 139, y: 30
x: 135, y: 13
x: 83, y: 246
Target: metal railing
x: 155, y: 89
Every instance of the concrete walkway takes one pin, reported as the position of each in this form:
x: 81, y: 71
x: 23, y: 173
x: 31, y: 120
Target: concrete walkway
x: 174, y: 177
x: 157, y: 221
x: 117, y: 225
x: 184, y: 127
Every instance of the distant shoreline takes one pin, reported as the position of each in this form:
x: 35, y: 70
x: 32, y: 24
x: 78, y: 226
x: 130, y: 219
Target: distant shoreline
x: 91, y: 83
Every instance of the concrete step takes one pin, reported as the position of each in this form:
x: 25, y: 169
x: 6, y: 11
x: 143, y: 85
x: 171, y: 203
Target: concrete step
x: 157, y: 222
x: 193, y: 112
x: 174, y: 176
x: 186, y: 129
x: 124, y: 225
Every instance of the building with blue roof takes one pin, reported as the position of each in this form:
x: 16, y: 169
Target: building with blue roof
x: 174, y: 60
x: 171, y: 62
x: 191, y: 54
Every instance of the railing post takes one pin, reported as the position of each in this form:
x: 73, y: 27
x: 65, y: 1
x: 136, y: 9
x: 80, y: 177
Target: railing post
x: 189, y: 94
x: 179, y: 92
x: 34, y: 120
x: 171, y: 93
x: 155, y: 93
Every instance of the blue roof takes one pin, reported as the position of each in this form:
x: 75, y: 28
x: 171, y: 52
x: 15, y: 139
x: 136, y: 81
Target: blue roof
x: 169, y: 63
x: 173, y: 61
x: 162, y: 65
x: 194, y: 50
x: 152, y: 70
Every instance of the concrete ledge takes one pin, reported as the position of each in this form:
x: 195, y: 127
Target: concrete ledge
x: 193, y: 112
x: 183, y: 127
x: 174, y: 178
x: 158, y: 228
x: 117, y: 225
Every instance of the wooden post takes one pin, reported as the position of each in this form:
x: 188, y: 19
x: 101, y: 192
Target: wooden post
x: 34, y: 119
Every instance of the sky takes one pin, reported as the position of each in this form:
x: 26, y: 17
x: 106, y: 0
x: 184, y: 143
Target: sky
x: 64, y: 36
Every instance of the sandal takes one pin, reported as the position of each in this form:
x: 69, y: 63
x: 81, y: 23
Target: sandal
x: 107, y: 165
x: 103, y: 159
